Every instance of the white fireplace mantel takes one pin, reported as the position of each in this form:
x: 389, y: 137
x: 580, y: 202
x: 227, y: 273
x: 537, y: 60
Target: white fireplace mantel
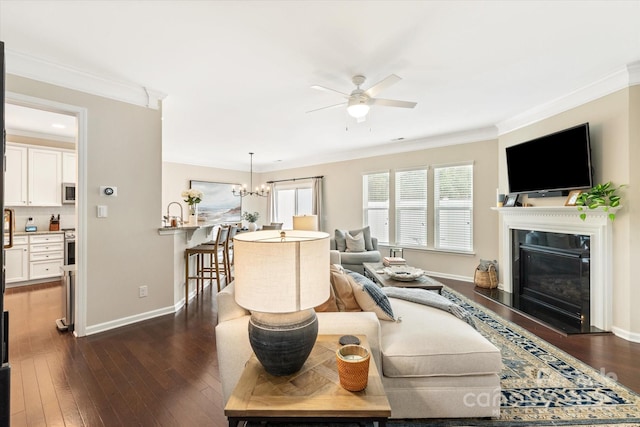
x: 566, y: 219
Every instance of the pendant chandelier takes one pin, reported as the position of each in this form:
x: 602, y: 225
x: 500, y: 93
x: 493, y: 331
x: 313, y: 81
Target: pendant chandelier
x: 242, y: 192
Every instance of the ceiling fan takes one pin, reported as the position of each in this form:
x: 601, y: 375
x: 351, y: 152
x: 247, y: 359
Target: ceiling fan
x: 359, y: 101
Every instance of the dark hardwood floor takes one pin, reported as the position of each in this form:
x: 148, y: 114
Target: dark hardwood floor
x: 164, y: 372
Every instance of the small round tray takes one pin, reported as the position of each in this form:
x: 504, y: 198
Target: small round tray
x: 403, y: 273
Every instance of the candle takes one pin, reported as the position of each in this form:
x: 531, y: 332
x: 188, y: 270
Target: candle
x: 352, y: 357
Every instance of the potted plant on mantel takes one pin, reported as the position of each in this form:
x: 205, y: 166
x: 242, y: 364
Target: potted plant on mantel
x: 251, y: 218
x: 602, y: 195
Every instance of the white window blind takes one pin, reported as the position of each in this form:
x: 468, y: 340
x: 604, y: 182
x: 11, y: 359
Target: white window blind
x: 453, y: 209
x: 411, y: 207
x: 376, y: 204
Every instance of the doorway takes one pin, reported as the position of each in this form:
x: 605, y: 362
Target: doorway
x: 52, y: 125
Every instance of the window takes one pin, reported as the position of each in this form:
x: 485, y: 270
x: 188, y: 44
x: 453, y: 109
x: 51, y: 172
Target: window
x: 411, y: 207
x: 292, y: 200
x: 453, y: 207
x: 376, y: 204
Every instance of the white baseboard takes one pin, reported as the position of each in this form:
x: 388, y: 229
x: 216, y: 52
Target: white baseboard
x: 626, y: 335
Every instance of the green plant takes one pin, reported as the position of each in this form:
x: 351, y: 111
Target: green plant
x: 602, y: 195
x: 251, y: 217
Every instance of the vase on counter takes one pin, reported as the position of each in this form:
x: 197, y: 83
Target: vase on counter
x: 253, y: 226
x: 193, y: 214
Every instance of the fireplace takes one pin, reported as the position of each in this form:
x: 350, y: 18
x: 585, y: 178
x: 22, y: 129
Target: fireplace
x: 551, y: 278
x: 584, y: 248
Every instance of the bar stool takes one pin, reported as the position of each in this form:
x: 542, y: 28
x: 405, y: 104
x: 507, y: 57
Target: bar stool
x: 218, y: 259
x: 233, y: 230
x: 205, y: 270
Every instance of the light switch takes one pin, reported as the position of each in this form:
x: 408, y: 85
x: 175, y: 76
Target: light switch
x: 102, y: 211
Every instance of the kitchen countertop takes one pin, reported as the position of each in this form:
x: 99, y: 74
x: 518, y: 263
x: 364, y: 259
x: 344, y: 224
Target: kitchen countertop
x: 27, y: 233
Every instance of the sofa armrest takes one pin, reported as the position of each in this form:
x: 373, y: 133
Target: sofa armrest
x: 334, y: 257
x: 228, y: 308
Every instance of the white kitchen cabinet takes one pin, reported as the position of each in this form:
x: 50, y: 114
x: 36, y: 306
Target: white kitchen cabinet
x: 17, y: 260
x: 45, y: 177
x: 69, y: 167
x: 15, y: 189
x: 33, y: 176
x: 46, y: 255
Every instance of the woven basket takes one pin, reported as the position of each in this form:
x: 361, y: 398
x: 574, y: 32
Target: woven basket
x: 353, y: 367
x: 486, y: 279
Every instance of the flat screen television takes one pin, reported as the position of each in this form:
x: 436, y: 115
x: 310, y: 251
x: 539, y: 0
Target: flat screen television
x: 551, y: 165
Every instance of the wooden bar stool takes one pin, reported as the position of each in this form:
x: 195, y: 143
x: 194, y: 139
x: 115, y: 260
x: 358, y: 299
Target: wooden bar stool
x: 214, y: 267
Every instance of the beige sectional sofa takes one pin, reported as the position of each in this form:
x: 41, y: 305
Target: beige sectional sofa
x: 433, y: 364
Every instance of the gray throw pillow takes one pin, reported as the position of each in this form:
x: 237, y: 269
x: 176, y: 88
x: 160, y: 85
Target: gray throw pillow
x: 340, y: 237
x: 355, y: 243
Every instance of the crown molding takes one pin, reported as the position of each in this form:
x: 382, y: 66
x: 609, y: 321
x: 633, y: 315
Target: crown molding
x: 620, y: 79
x: 34, y: 68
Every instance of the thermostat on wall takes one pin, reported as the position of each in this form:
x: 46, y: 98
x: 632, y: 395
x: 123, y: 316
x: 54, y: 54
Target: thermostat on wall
x: 108, y: 190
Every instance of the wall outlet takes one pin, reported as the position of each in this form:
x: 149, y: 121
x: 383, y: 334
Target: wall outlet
x: 143, y: 291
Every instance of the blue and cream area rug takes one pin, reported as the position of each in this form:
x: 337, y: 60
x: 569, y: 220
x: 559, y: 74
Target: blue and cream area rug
x: 541, y: 384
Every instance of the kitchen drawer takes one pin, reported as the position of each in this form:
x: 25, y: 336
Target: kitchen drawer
x: 47, y: 247
x: 46, y: 238
x: 45, y: 256
x: 17, y: 240
x: 40, y: 270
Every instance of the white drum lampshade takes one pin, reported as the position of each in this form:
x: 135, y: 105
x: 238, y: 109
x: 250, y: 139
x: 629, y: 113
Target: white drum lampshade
x: 305, y: 222
x: 280, y: 276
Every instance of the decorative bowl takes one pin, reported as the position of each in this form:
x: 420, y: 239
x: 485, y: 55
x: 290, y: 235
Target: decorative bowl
x: 403, y: 273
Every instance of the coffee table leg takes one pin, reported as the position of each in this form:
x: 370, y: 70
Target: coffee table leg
x: 233, y: 422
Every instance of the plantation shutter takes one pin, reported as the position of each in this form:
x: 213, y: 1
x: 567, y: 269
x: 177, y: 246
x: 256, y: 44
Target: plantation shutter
x: 411, y: 207
x: 453, y: 197
x: 376, y: 204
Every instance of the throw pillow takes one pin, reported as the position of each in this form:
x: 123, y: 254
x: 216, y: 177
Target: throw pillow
x: 355, y: 243
x: 340, y: 238
x: 330, y: 304
x: 341, y: 235
x: 345, y: 300
x: 370, y: 297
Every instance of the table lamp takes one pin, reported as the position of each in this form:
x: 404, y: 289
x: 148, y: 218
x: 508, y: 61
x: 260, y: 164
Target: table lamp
x: 280, y: 277
x: 305, y: 222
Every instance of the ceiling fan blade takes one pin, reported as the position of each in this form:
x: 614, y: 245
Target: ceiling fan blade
x: 393, y: 103
x: 342, y: 104
x: 326, y: 89
x: 382, y: 85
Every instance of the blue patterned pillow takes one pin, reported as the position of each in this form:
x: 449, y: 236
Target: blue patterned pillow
x: 370, y: 297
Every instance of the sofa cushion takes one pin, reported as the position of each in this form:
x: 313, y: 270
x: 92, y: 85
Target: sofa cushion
x: 345, y: 299
x: 432, y: 342
x: 354, y: 243
x: 370, y: 297
x: 340, y: 238
x: 360, y: 257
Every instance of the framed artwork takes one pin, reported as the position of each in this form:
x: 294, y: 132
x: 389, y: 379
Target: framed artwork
x: 218, y: 204
x: 510, y: 200
x: 572, y: 198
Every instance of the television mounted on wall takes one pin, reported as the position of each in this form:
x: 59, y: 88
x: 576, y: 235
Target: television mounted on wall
x: 551, y: 165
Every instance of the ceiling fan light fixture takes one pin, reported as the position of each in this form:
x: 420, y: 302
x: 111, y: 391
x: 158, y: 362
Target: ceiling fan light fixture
x: 358, y: 107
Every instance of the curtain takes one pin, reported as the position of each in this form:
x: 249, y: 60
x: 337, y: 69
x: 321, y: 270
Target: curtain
x: 271, y: 203
x: 317, y: 207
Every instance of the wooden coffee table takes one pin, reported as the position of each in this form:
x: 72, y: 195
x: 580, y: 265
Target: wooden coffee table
x: 313, y: 394
x: 373, y: 270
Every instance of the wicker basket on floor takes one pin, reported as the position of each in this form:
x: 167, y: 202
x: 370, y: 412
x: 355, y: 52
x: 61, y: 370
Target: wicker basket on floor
x: 486, y: 279
x: 353, y: 367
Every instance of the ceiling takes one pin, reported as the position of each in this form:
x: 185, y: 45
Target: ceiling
x: 238, y: 74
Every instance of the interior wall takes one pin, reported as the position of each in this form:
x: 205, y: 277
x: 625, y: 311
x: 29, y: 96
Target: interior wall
x: 632, y: 209
x: 612, y: 156
x: 124, y: 250
x: 343, y: 200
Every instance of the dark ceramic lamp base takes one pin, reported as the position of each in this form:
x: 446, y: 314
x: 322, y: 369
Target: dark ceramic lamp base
x: 283, y: 341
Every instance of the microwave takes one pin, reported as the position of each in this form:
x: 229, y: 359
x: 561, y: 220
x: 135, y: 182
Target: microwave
x: 68, y: 193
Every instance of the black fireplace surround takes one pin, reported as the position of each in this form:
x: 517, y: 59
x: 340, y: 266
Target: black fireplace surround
x: 551, y: 278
